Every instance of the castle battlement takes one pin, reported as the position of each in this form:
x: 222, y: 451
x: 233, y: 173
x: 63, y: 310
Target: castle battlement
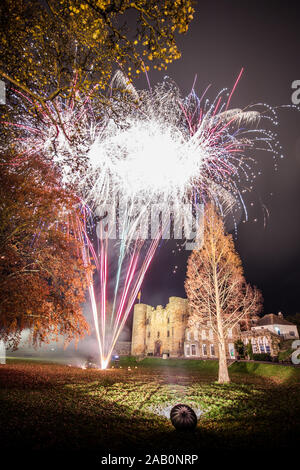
x: 160, y: 329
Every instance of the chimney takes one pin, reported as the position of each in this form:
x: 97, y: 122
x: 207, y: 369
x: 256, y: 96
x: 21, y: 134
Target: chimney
x: 280, y: 315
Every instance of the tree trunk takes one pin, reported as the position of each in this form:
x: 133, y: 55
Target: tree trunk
x: 223, y: 368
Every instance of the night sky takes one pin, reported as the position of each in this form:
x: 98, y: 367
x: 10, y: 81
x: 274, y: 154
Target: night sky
x: 264, y: 39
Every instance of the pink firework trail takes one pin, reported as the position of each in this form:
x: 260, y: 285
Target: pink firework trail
x: 152, y: 148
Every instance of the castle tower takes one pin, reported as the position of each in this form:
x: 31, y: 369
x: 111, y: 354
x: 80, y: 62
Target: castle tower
x: 138, y: 344
x: 178, y: 310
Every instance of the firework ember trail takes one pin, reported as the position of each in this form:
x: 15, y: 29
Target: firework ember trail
x: 143, y: 149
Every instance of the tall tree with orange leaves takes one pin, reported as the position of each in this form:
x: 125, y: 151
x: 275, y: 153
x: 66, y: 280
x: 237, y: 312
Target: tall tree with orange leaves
x: 42, y: 274
x: 216, y: 288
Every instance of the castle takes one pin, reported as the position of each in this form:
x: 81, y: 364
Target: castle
x: 164, y: 332
x: 157, y: 331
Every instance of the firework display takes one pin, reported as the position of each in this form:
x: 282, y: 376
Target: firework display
x: 139, y: 149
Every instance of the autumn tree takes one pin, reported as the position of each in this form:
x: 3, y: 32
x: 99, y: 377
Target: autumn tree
x: 42, y: 274
x: 52, y: 51
x: 218, y: 294
x: 46, y: 45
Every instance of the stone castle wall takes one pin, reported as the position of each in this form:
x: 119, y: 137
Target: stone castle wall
x: 122, y: 348
x: 160, y: 330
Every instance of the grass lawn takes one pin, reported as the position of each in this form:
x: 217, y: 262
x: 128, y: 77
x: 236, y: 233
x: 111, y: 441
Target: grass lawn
x: 54, y: 408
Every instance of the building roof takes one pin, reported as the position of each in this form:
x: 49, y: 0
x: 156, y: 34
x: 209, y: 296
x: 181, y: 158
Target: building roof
x: 258, y: 333
x: 272, y: 319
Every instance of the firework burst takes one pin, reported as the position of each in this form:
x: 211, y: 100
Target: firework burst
x: 144, y: 148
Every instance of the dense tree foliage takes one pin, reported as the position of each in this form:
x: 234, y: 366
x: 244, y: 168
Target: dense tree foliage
x: 45, y: 44
x: 42, y: 275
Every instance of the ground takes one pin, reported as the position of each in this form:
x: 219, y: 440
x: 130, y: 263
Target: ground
x: 53, y: 408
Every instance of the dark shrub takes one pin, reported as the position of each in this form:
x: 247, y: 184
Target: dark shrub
x: 285, y: 356
x: 262, y: 357
x: 240, y: 348
x: 249, y: 351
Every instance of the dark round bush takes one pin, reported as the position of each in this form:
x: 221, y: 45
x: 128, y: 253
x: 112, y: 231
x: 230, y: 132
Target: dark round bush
x: 183, y: 417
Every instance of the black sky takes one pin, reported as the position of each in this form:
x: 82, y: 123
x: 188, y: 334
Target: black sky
x: 264, y: 38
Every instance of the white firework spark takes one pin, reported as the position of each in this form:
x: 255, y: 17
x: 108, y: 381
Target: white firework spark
x: 145, y: 148
x: 152, y: 146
